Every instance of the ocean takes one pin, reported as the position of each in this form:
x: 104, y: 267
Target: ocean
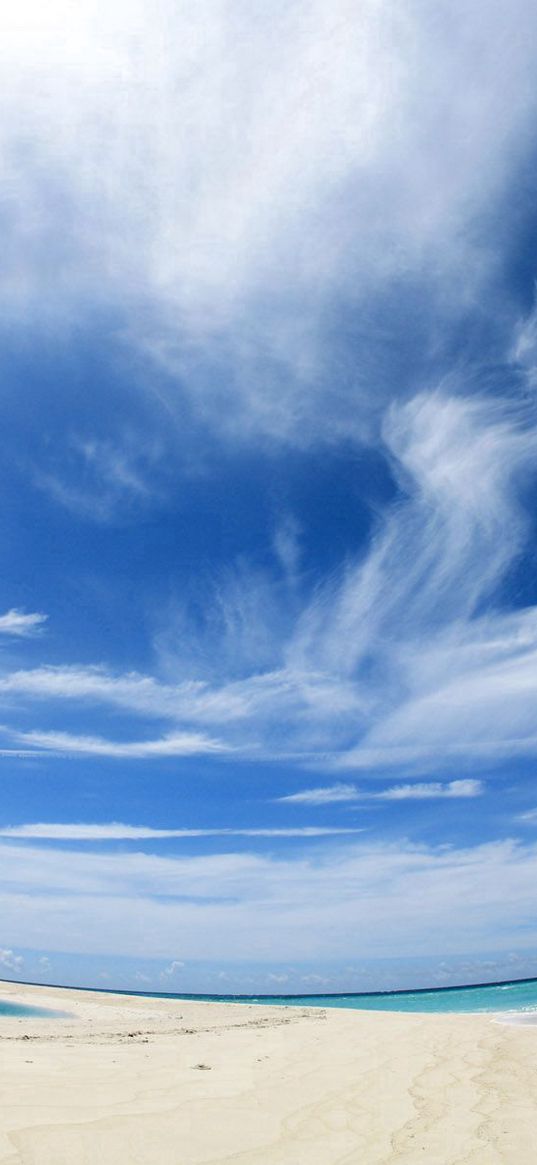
x: 518, y: 995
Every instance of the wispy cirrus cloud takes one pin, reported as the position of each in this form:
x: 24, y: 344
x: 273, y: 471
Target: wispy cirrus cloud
x: 433, y: 790
x: 402, y: 660
x: 418, y: 791
x: 118, y: 831
x: 174, y: 744
x: 22, y: 624
x: 327, y: 795
x: 104, y: 481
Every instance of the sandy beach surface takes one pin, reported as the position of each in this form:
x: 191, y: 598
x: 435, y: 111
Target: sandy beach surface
x: 172, y: 1082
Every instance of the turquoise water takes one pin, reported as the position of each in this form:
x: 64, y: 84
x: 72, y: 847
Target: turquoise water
x: 19, y: 1010
x: 519, y: 995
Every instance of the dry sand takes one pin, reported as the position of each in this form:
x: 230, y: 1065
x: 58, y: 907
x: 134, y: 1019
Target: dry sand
x: 171, y: 1082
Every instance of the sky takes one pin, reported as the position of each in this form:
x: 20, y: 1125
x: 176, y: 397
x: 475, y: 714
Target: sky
x: 268, y: 598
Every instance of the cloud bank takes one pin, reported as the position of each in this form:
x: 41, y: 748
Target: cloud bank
x: 228, y: 177
x: 372, y: 900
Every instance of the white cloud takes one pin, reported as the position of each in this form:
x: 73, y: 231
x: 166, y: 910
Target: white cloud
x: 374, y: 901
x: 397, y: 654
x: 234, y: 173
x: 315, y: 980
x: 99, y: 480
x: 10, y: 961
x: 529, y: 818
x: 117, y: 831
x: 287, y: 549
x: 524, y: 349
x: 192, y: 699
x: 174, y: 744
x: 393, y: 664
x: 329, y: 795
x: 452, y: 681
x: 230, y: 171
x: 334, y: 794
x: 172, y: 969
x: 21, y: 623
x: 432, y: 790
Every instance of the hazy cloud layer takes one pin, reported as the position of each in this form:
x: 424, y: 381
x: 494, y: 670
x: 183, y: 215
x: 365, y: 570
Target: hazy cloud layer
x: 372, y: 900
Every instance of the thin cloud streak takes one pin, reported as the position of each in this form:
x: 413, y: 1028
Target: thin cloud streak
x: 329, y: 795
x: 117, y: 831
x: 342, y: 793
x: 433, y: 790
x: 175, y: 744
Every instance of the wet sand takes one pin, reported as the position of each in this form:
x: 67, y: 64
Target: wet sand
x: 170, y: 1082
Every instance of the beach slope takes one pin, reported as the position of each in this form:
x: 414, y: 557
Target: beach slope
x: 169, y: 1082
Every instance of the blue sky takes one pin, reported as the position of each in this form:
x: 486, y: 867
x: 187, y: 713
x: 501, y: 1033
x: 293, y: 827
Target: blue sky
x: 268, y: 605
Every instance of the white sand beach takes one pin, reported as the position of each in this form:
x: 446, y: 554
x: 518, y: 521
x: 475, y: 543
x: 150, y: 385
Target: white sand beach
x: 169, y: 1082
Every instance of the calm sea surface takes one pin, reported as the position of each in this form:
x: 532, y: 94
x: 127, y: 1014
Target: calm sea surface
x: 519, y: 995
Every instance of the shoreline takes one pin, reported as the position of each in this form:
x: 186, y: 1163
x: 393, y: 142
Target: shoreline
x: 262, y: 998
x: 159, y: 1081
